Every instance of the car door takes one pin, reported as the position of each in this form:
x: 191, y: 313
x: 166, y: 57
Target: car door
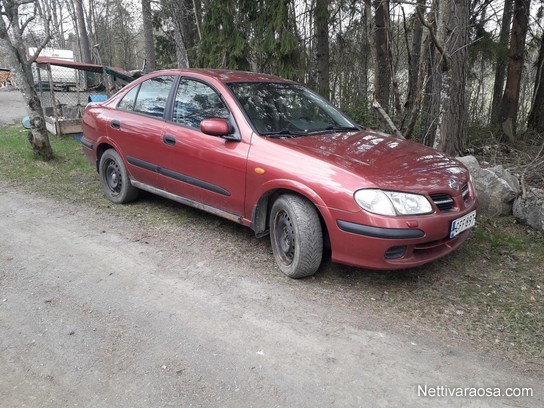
x: 137, y: 126
x: 203, y: 168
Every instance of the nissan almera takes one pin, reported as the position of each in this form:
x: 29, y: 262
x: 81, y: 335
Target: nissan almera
x: 270, y: 154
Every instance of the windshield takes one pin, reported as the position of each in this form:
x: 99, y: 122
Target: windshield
x: 287, y: 109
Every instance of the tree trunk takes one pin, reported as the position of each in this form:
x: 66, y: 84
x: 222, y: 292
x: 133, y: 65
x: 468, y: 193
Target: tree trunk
x: 198, y: 18
x: 84, y: 44
x: 181, y: 52
x: 451, y: 131
x: 510, y: 100
x: 382, y: 71
x: 370, y: 30
x: 14, y: 49
x: 500, y: 70
x: 321, y: 21
x: 95, y: 55
x: 433, y: 77
x: 536, y: 116
x: 58, y: 25
x: 413, y: 72
x: 366, y: 48
x: 185, y: 30
x: 149, y: 45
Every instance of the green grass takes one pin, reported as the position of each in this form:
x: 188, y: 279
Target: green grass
x: 490, y: 292
x: 68, y: 174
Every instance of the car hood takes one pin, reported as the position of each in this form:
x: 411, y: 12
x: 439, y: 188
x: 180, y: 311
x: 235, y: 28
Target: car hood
x: 386, y: 162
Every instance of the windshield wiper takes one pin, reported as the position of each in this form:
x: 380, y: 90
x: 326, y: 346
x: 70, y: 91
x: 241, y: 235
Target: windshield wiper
x: 284, y: 133
x: 294, y: 133
x: 332, y: 128
x: 342, y: 128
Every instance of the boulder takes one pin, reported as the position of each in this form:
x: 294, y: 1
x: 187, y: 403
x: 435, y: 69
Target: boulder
x: 530, y: 210
x: 497, y: 188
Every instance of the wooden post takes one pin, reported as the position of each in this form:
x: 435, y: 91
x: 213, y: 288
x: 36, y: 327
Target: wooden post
x: 53, y: 100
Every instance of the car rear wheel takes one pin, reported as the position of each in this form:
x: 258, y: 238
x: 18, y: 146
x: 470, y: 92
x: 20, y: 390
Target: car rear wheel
x: 115, y: 180
x: 296, y: 236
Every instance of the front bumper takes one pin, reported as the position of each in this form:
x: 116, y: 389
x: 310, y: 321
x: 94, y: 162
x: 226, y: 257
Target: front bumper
x: 394, y: 242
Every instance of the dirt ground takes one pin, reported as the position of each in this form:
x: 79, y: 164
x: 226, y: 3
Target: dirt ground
x: 97, y: 312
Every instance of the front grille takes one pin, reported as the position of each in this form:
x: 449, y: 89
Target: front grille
x: 443, y: 202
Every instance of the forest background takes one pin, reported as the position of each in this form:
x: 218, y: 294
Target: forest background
x: 451, y: 74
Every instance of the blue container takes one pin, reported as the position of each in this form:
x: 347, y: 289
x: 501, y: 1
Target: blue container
x: 97, y: 98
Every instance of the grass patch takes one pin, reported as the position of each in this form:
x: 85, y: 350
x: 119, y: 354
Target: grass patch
x: 70, y: 177
x: 67, y: 175
x: 490, y: 292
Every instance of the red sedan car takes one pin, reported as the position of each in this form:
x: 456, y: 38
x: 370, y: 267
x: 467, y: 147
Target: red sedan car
x: 272, y: 155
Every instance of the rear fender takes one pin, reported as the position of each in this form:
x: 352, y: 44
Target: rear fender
x: 104, y: 143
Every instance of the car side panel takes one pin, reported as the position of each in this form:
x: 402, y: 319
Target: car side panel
x: 140, y: 139
x: 204, y: 168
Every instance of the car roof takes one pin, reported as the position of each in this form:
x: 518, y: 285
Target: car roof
x: 226, y: 76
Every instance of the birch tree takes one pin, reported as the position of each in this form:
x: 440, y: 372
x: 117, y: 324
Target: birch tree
x: 12, y: 28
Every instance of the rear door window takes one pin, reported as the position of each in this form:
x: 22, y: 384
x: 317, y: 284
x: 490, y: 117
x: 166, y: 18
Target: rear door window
x: 150, y: 97
x: 127, y: 103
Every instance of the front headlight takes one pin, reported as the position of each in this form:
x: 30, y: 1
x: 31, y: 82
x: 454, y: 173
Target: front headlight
x: 392, y: 202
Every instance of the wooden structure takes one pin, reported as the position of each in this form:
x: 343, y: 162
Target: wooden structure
x: 6, y: 78
x: 63, y: 107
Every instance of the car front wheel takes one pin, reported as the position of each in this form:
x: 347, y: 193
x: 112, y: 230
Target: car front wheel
x: 296, y: 236
x: 115, y: 180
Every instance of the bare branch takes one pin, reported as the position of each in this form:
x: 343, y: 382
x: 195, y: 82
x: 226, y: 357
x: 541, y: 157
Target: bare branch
x: 45, y: 41
x: 376, y: 105
x: 522, y: 179
x: 29, y: 20
x: 39, y: 49
x: 433, y: 38
x: 23, y: 2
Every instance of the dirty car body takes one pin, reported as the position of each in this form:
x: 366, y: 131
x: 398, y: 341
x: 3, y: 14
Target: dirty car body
x: 271, y: 155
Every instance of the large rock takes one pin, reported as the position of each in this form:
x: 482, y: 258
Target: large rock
x: 497, y: 188
x: 530, y: 210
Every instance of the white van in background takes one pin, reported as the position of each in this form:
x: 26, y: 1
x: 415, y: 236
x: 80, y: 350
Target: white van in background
x: 63, y: 78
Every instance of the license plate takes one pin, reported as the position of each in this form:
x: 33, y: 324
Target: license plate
x: 462, y: 224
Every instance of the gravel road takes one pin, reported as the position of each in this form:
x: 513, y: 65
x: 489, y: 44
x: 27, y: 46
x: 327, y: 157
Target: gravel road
x: 12, y: 106
x: 96, y: 312
x: 93, y: 316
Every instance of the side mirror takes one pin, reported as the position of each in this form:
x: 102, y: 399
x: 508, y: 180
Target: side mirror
x: 218, y: 127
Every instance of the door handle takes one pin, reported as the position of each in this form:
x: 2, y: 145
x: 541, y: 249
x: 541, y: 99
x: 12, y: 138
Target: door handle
x: 115, y: 124
x: 169, y: 140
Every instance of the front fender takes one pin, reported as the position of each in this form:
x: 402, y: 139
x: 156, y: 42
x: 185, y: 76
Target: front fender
x: 261, y: 201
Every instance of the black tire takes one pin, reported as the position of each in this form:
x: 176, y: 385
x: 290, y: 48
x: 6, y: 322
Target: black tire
x: 115, y: 179
x: 296, y: 236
